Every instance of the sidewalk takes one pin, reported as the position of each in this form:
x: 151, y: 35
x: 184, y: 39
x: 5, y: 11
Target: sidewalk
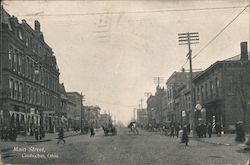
x: 226, y: 139
x: 48, y: 137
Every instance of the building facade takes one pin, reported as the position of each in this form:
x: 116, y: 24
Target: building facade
x: 142, y: 118
x: 154, y: 107
x: 92, y: 116
x: 223, y: 90
x: 29, y: 77
x: 75, y: 109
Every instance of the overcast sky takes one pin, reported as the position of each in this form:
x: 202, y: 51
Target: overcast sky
x: 111, y: 50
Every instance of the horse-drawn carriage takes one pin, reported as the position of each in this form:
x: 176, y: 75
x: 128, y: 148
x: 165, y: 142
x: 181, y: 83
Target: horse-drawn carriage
x: 109, y: 129
x: 133, y: 128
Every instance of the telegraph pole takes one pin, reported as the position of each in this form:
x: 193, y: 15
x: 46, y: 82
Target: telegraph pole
x: 188, y: 39
x: 82, y: 109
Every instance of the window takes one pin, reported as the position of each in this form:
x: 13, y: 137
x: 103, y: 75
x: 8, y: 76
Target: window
x: 202, y: 90
x: 20, y: 91
x: 206, y: 90
x: 211, y: 89
x: 15, y: 61
x: 11, y: 87
x: 16, y: 90
x: 10, y: 56
x: 198, y: 93
x: 28, y: 94
x: 20, y: 63
x: 27, y: 67
x: 217, y: 84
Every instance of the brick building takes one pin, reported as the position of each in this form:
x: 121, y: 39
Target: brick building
x: 154, y: 107
x: 92, y: 116
x: 223, y: 90
x: 74, y: 109
x: 177, y: 90
x: 142, y: 118
x: 29, y: 76
x: 183, y: 105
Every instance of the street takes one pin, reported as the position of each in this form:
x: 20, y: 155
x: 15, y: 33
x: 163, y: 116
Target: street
x: 145, y: 148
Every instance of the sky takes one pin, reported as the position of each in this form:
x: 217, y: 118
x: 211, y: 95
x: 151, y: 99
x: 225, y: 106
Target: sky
x: 111, y: 51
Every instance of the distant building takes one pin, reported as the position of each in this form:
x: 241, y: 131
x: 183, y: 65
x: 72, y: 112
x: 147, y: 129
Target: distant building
x: 29, y: 77
x: 154, y: 107
x: 92, y: 116
x: 105, y: 119
x: 151, y: 113
x: 74, y: 109
x: 142, y: 118
x: 223, y: 90
x: 62, y: 113
x: 177, y: 86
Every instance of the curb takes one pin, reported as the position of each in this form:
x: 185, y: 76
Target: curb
x: 209, y: 142
x: 46, y: 140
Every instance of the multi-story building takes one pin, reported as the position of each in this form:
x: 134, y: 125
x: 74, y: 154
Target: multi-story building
x: 29, y: 95
x: 62, y: 113
x: 74, y: 109
x: 151, y: 104
x: 154, y: 107
x: 142, y: 118
x: 183, y: 105
x: 177, y: 88
x: 105, y: 119
x: 92, y: 116
x: 223, y: 90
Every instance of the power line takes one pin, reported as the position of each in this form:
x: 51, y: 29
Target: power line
x: 221, y: 31
x: 136, y: 12
x: 216, y: 35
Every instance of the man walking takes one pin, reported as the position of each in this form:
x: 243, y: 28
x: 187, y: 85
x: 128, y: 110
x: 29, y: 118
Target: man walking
x: 209, y: 129
x: 61, y: 136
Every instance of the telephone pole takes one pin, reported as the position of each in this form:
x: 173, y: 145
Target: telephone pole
x: 82, y: 115
x: 188, y: 39
x: 158, y: 80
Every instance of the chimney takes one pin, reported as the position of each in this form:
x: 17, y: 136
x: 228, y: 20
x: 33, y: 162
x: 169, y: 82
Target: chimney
x: 37, y: 26
x: 244, y: 52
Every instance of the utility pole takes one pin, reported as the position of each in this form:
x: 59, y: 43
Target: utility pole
x: 158, y: 80
x: 134, y: 113
x: 82, y: 109
x: 141, y: 100
x: 188, y: 39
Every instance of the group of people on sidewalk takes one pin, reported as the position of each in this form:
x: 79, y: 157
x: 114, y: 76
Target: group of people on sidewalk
x: 8, y: 133
x: 203, y: 129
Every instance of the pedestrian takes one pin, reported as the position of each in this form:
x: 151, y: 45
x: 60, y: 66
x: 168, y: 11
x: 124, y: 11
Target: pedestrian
x: 36, y: 133
x: 188, y: 129
x: 5, y: 133
x: 198, y: 129
x: 61, y: 136
x: 240, y: 133
x: 204, y: 130
x: 92, y: 132
x: 177, y: 129
x: 185, y: 135
x: 209, y: 129
x: 218, y: 129
x: 41, y: 132
x: 13, y: 133
x: 172, y: 131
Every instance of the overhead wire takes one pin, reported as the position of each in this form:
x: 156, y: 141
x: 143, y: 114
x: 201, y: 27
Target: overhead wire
x: 221, y: 31
x: 136, y: 12
x: 217, y: 35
